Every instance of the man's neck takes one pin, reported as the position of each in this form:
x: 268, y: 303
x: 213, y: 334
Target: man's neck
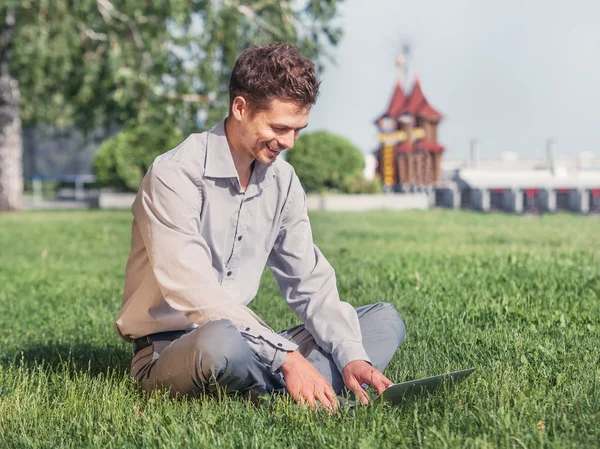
x: 242, y: 159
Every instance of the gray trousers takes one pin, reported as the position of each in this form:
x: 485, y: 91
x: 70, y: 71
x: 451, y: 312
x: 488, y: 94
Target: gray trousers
x: 216, y: 356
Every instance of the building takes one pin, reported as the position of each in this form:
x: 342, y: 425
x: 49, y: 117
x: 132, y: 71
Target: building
x: 409, y: 156
x: 516, y: 185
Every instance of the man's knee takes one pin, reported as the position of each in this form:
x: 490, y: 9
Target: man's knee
x: 221, y: 349
x: 388, y: 316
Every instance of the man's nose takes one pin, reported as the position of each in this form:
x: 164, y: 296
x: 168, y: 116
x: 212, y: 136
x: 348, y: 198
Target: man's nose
x: 287, y: 141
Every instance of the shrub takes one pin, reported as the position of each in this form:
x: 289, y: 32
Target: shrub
x: 122, y: 161
x: 324, y: 160
x: 357, y: 183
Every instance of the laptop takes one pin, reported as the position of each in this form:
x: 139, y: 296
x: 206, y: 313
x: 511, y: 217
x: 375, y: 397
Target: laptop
x: 398, y: 393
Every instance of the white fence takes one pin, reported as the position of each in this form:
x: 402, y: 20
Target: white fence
x: 357, y: 203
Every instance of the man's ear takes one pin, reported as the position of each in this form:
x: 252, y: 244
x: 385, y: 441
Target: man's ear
x: 239, y: 108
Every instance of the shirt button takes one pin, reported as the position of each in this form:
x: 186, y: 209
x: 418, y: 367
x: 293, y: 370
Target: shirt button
x: 279, y: 344
x: 240, y: 237
x: 247, y: 329
x: 229, y: 273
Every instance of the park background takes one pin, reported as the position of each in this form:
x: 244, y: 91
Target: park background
x: 514, y: 295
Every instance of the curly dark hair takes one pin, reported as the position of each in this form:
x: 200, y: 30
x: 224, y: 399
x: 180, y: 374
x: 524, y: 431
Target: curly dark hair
x: 273, y: 71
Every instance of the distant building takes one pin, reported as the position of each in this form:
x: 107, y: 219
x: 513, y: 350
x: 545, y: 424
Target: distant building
x: 58, y: 153
x: 518, y: 185
x: 409, y: 156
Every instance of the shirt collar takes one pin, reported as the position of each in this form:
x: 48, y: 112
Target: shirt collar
x: 219, y: 162
x: 262, y: 175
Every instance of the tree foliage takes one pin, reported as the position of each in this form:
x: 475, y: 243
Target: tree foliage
x: 357, y: 183
x: 89, y: 62
x: 324, y: 161
x: 122, y: 161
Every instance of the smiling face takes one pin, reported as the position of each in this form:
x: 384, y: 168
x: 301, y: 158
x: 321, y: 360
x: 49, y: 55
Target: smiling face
x: 265, y: 133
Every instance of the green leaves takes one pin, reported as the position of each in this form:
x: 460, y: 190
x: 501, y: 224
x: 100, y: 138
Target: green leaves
x: 122, y: 161
x: 324, y: 161
x: 93, y: 62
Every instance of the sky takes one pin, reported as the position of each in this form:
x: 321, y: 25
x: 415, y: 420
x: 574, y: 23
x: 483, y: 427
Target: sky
x: 509, y: 73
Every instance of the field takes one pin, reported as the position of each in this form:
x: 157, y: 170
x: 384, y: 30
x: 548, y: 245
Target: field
x: 516, y: 297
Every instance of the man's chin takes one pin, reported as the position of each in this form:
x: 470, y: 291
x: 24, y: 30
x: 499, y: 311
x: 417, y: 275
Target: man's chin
x: 266, y: 161
x: 265, y: 158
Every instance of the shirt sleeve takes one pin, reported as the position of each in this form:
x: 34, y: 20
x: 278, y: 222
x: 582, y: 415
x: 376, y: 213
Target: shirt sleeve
x: 167, y: 211
x: 308, y: 282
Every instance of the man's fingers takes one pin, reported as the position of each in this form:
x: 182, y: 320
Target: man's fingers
x: 379, y: 381
x: 306, y: 384
x: 332, y: 398
x: 324, y: 400
x: 310, y: 398
x: 386, y: 381
x: 297, y: 396
x: 364, y: 397
x: 358, y: 391
x: 303, y: 398
x: 379, y: 385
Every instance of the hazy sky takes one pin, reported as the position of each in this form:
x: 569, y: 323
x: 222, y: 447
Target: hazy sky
x: 510, y: 73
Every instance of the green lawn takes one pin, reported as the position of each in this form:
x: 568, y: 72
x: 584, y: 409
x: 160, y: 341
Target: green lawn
x: 516, y: 297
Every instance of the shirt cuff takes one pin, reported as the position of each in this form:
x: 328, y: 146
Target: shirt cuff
x: 347, y: 352
x: 270, y: 347
x: 280, y: 358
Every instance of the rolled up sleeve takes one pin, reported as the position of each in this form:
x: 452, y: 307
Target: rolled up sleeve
x: 167, y: 212
x: 308, y: 282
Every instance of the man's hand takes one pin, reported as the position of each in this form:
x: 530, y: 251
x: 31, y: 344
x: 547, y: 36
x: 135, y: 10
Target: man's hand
x: 306, y: 384
x: 359, y: 372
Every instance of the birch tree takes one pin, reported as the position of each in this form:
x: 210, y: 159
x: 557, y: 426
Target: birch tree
x: 90, y: 63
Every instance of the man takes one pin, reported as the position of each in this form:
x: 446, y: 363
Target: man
x: 208, y: 217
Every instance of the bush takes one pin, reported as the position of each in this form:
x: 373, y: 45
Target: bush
x: 357, y: 183
x: 324, y: 160
x: 49, y: 188
x: 122, y: 161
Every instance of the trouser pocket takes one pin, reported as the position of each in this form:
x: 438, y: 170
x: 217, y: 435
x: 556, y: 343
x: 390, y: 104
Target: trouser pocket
x: 141, y: 362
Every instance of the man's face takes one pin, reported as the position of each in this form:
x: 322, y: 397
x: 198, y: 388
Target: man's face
x: 266, y: 133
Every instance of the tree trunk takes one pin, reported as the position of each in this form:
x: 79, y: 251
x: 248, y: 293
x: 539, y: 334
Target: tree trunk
x: 11, y: 168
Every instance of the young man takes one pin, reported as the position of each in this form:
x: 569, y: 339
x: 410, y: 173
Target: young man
x: 208, y: 217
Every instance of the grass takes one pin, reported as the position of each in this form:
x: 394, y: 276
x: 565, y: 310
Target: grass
x: 516, y: 297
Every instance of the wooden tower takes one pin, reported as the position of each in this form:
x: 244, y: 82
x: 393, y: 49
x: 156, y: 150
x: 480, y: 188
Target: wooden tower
x: 409, y: 155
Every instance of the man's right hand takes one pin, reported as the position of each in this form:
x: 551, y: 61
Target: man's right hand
x: 306, y: 384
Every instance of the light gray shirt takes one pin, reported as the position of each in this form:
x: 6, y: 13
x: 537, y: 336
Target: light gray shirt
x: 200, y: 244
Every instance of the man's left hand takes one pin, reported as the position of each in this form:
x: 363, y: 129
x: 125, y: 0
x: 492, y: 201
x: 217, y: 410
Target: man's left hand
x: 359, y: 372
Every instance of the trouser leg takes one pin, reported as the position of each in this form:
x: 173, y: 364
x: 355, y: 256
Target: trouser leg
x: 216, y: 355
x: 211, y: 356
x: 382, y: 332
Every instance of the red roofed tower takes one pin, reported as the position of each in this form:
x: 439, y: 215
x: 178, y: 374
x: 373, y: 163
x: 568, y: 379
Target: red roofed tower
x: 427, y: 155
x: 410, y: 155
x: 418, y: 105
x: 388, y: 122
x: 397, y: 103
